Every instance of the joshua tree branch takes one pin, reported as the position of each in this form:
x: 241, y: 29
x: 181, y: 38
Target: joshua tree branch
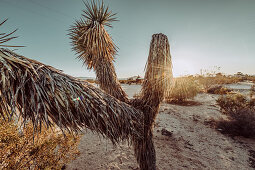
x: 43, y: 94
x: 95, y: 47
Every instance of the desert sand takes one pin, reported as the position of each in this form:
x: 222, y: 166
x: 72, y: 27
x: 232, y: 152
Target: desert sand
x: 193, y: 144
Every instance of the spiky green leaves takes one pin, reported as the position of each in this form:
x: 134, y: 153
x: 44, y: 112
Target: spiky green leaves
x: 89, y: 38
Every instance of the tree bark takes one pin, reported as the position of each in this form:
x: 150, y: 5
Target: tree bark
x: 157, y: 80
x: 108, y: 81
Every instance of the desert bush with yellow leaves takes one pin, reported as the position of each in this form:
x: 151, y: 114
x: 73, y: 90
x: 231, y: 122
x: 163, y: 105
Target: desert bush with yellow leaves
x: 182, y: 89
x: 209, y: 82
x: 48, y: 149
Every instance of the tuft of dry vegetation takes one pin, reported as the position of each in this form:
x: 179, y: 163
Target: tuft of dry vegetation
x: 233, y: 102
x: 47, y: 150
x: 241, y: 115
x: 252, y: 92
x: 209, y: 82
x: 130, y: 81
x: 218, y: 89
x: 182, y: 89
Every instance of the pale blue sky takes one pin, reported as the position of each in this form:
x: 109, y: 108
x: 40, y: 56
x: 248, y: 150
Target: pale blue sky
x: 202, y: 33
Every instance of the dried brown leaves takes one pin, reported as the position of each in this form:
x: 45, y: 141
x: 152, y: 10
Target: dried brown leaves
x: 43, y: 94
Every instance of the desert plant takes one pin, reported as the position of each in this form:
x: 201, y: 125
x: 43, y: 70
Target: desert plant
x: 43, y: 94
x: 233, y: 102
x: 95, y: 47
x: 208, y: 82
x: 157, y: 81
x: 182, y: 89
x: 241, y: 115
x: 218, y: 89
x: 98, y: 53
x: 252, y: 91
x: 49, y: 149
x: 5, y: 37
x: 240, y: 123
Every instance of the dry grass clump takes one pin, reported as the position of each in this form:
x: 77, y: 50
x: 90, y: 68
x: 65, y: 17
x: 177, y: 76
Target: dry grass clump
x: 182, y: 89
x: 223, y: 79
x: 252, y: 91
x: 50, y: 149
x: 241, y: 115
x: 233, y: 102
x: 129, y: 81
x: 218, y: 89
x: 208, y: 82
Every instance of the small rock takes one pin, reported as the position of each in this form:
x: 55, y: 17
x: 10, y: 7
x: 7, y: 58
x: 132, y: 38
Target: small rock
x: 166, y: 133
x: 63, y: 167
x: 232, y: 158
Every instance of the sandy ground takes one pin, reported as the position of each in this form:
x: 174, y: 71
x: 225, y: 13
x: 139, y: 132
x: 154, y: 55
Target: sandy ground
x: 193, y: 144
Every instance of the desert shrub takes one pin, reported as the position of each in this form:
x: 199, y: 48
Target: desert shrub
x: 222, y: 79
x: 122, y: 81
x: 208, y: 82
x: 130, y: 81
x: 252, y: 91
x: 241, y: 115
x: 46, y: 150
x: 232, y: 102
x: 182, y: 89
x: 218, y: 89
x: 241, y: 123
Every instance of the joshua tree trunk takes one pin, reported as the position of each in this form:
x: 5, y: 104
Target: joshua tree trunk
x: 157, y: 80
x: 144, y: 148
x: 108, y: 81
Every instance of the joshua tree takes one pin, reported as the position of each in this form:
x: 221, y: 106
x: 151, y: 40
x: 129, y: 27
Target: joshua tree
x: 43, y: 94
x: 98, y: 53
x: 95, y: 47
x: 157, y: 80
